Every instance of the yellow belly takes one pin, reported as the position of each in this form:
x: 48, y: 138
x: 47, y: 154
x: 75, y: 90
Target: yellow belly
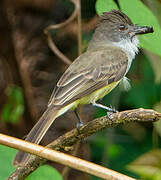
x: 99, y: 94
x: 91, y: 98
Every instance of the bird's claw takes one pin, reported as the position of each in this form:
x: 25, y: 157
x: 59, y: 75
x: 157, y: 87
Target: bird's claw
x: 109, y: 115
x: 79, y: 125
x: 113, y: 109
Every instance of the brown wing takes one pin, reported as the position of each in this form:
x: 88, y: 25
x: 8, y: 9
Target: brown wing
x: 88, y: 73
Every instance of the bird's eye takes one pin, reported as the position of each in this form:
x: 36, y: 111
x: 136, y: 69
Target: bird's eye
x: 122, y: 27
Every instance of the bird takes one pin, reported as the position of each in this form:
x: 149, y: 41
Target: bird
x: 93, y: 74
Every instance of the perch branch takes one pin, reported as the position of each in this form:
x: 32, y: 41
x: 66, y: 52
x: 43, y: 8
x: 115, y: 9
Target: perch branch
x: 66, y: 141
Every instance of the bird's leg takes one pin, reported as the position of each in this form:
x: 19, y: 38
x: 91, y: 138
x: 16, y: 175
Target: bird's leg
x: 80, y: 123
x: 109, y: 110
x: 105, y: 107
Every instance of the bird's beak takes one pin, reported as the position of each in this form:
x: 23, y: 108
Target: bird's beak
x: 141, y: 29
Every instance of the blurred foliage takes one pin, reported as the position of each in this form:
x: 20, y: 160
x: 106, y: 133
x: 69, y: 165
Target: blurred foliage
x: 14, y: 107
x: 144, y: 89
x: 6, y: 156
x: 115, y: 148
x: 148, y: 166
x: 150, y: 42
x: 43, y: 173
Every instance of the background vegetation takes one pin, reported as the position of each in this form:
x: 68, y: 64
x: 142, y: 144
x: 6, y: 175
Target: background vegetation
x: 29, y: 71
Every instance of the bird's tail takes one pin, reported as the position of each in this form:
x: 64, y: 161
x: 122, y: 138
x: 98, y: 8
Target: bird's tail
x: 37, y: 133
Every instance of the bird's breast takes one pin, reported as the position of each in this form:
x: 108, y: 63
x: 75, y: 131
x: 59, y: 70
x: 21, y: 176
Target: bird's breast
x: 98, y: 94
x: 91, y: 98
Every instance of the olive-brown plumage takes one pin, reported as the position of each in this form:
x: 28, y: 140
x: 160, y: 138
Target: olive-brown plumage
x: 93, y: 74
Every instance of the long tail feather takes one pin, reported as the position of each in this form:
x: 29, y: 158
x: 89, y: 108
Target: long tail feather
x: 37, y: 133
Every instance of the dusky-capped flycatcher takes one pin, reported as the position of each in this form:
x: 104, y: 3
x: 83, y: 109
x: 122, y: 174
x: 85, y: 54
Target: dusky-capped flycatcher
x: 94, y: 73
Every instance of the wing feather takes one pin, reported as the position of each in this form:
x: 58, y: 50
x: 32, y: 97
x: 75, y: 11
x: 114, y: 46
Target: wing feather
x: 88, y: 73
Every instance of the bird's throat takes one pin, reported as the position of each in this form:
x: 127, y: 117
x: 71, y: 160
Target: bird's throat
x: 130, y: 47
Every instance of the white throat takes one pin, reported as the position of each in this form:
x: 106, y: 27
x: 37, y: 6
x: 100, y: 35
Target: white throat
x: 130, y: 47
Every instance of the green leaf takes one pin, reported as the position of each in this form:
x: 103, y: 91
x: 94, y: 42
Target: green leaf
x: 139, y: 14
x: 6, y: 112
x: 148, y: 165
x: 113, y: 150
x: 6, y: 156
x: 6, y: 168
x: 45, y: 172
x: 157, y: 124
x: 16, y: 113
x: 14, y: 107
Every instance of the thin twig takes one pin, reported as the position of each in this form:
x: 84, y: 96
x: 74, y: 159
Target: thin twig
x: 71, y: 18
x: 70, y: 138
x: 79, y: 29
x: 19, y: 41
x: 72, y: 28
x: 51, y: 43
